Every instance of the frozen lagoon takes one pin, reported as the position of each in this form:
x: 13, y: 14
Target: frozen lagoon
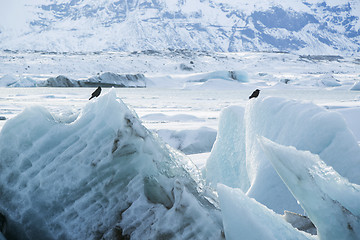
x: 174, y: 106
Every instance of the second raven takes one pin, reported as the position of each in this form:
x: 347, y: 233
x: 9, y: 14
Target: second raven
x: 255, y: 94
x: 96, y: 93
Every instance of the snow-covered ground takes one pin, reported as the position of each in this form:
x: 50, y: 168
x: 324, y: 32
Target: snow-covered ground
x: 190, y: 100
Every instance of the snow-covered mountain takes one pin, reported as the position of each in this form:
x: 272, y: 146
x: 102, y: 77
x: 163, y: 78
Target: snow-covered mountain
x: 302, y: 26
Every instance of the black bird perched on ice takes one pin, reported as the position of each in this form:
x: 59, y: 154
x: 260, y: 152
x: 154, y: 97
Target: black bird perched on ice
x: 96, y: 93
x: 255, y: 94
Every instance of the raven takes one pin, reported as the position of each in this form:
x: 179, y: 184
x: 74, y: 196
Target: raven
x: 96, y: 93
x: 255, y: 94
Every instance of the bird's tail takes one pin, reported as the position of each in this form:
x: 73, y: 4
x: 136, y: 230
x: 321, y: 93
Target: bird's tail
x: 91, y: 97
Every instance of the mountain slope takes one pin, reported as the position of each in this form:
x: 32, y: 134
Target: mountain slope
x: 310, y: 27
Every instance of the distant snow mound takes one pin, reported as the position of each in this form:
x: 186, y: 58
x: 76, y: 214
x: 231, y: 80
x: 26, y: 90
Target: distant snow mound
x: 328, y: 80
x: 7, y: 80
x: 239, y: 76
x: 103, y: 176
x: 356, y: 86
x: 12, y: 81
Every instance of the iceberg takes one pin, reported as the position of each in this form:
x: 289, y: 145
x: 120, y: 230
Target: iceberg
x: 107, y: 79
x: 237, y: 159
x: 245, y: 218
x: 59, y: 81
x: 102, y: 176
x: 329, y: 199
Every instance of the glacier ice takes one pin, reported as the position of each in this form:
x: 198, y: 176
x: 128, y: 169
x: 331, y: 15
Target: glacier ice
x: 102, y: 176
x: 245, y: 218
x: 303, y: 125
x: 329, y: 199
x: 227, y: 161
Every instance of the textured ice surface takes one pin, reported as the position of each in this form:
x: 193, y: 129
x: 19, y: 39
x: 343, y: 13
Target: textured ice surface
x: 226, y: 163
x: 330, y: 200
x: 245, y: 218
x: 103, y: 175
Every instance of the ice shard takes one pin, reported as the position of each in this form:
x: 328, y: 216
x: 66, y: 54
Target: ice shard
x: 330, y: 200
x: 245, y: 218
x: 103, y: 176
